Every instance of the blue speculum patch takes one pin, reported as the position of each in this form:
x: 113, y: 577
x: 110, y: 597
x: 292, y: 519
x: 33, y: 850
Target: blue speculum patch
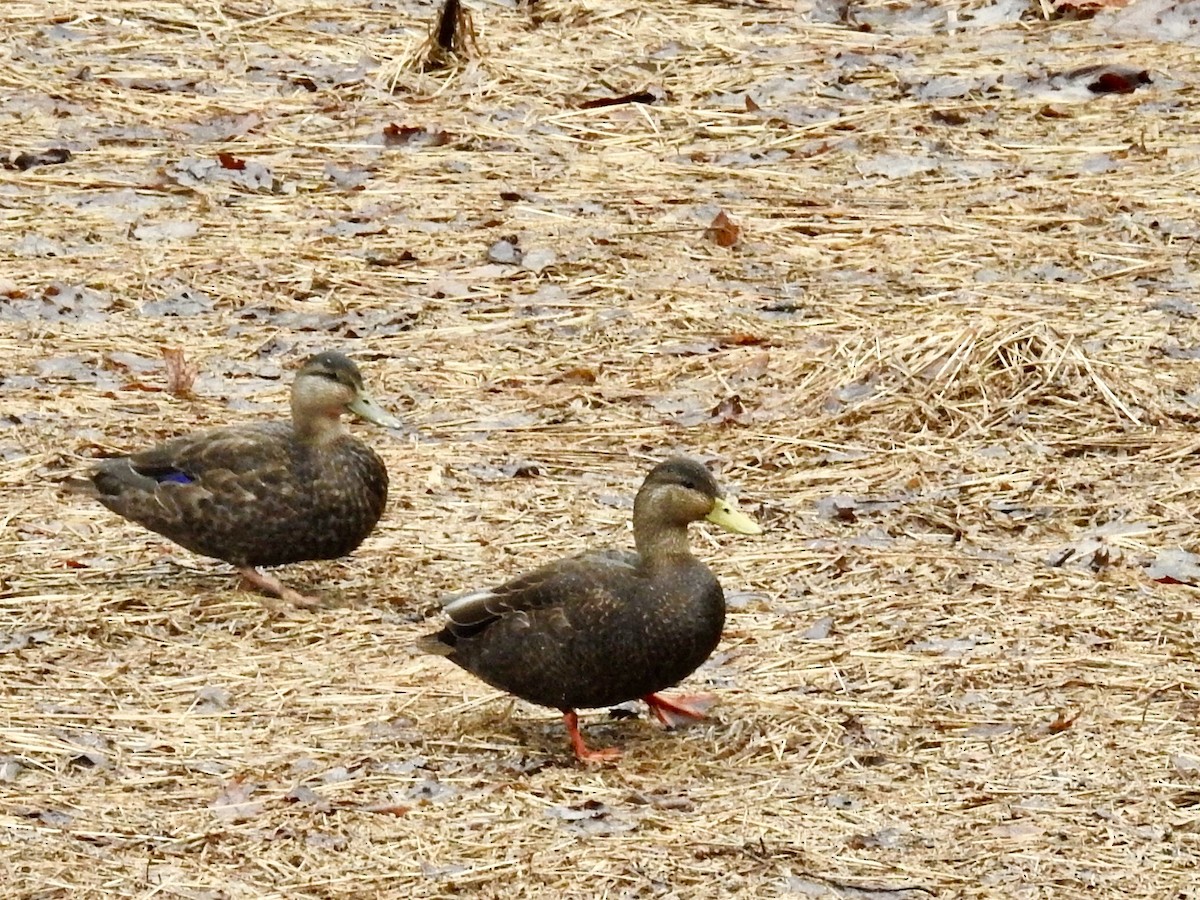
x: 174, y: 478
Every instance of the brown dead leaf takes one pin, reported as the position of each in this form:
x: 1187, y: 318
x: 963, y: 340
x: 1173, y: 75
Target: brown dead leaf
x: 1108, y: 78
x: 1083, y: 9
x: 52, y: 157
x: 601, y: 102
x: 232, y: 802
x: 730, y: 409
x: 743, y: 338
x: 388, y: 809
x: 181, y: 375
x: 142, y: 386
x: 409, y: 135
x: 394, y: 134
x: 755, y: 367
x: 1061, y: 723
x: 1119, y: 81
x: 576, y: 375
x: 723, y: 231
x: 229, y: 161
x: 1175, y: 566
x: 948, y: 117
x: 306, y: 796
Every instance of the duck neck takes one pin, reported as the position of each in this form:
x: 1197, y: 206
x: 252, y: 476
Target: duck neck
x: 655, y: 538
x: 315, y: 427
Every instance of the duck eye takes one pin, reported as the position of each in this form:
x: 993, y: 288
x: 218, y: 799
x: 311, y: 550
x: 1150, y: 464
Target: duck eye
x: 689, y: 484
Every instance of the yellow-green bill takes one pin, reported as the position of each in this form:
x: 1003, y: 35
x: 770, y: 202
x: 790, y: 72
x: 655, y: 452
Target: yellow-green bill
x: 726, y: 514
x: 365, y: 407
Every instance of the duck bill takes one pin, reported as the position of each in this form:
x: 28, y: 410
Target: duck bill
x: 726, y: 514
x: 365, y: 407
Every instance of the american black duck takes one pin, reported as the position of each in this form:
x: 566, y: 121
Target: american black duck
x: 267, y: 493
x: 605, y: 627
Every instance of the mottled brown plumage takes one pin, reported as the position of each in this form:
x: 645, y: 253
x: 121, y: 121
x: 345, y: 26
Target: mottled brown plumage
x: 605, y: 627
x: 263, y: 494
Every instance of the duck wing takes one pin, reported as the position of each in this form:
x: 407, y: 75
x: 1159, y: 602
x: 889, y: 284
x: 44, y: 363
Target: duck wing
x: 218, y: 454
x: 205, y: 491
x: 575, y: 577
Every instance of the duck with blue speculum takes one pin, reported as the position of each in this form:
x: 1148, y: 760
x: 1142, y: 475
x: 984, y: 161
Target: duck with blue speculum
x: 263, y: 493
x: 608, y: 626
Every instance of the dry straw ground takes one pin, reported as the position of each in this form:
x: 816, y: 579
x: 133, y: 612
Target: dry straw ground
x: 950, y: 365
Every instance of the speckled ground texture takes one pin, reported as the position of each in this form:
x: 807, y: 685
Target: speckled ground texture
x: 949, y: 362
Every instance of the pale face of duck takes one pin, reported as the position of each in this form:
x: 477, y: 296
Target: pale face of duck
x: 676, y: 493
x: 328, y: 385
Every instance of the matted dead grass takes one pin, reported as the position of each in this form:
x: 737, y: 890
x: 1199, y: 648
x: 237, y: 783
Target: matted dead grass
x: 949, y: 365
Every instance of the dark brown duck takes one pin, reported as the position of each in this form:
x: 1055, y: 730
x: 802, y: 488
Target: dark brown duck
x: 605, y: 627
x: 263, y: 494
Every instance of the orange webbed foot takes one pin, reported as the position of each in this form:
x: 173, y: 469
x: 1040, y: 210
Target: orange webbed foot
x: 583, y: 752
x: 273, y: 587
x: 676, y: 711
